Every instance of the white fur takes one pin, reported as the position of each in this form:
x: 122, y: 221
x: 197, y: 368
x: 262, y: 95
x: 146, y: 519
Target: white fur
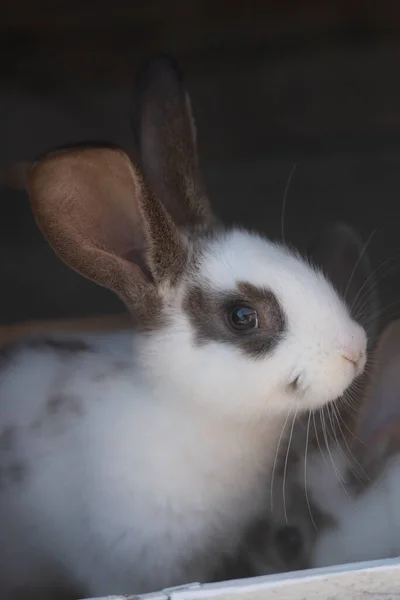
x: 367, y: 526
x: 167, y: 457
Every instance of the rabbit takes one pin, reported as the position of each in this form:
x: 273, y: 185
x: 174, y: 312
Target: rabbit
x: 144, y: 469
x: 359, y: 486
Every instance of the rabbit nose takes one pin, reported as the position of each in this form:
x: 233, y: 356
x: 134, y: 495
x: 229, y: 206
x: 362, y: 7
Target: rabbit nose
x: 352, y: 357
x: 356, y: 357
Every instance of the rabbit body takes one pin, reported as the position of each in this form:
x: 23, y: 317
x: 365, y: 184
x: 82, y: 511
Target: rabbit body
x: 129, y: 465
x: 139, y: 459
x: 105, y: 475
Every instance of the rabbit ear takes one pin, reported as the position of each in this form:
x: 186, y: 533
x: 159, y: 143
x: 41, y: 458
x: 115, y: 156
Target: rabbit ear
x: 378, y: 427
x: 167, y: 139
x: 95, y: 211
x: 342, y: 256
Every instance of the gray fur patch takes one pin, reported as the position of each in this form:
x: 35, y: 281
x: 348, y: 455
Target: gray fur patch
x: 9, y: 352
x: 70, y: 346
x: 13, y: 473
x: 64, y: 403
x: 116, y: 368
x: 7, y: 438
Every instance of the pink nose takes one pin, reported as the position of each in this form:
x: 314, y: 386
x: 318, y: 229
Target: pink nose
x: 353, y: 349
x: 352, y: 356
x: 355, y: 357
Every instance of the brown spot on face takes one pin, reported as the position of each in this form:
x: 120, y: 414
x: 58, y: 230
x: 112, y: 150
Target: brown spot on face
x: 64, y: 403
x: 7, y: 439
x: 208, y: 313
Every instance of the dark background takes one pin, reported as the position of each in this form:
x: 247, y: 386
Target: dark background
x: 311, y: 82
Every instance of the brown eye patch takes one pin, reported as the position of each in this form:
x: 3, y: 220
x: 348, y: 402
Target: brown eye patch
x: 215, y: 317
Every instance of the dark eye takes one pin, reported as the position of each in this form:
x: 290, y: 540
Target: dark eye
x: 243, y: 318
x: 289, y: 543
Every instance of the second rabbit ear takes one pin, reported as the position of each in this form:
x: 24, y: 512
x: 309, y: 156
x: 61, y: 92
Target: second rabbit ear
x: 168, y: 148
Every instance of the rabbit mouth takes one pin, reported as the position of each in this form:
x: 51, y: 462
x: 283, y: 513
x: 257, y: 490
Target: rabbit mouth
x: 296, y: 385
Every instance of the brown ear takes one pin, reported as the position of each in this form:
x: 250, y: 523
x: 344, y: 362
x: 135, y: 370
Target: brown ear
x: 167, y: 140
x: 95, y: 211
x: 378, y: 425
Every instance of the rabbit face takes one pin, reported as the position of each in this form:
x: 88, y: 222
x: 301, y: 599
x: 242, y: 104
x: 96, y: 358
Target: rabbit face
x: 232, y: 319
x: 248, y: 319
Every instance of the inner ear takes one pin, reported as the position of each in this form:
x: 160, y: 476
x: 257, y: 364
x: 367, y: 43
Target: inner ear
x: 342, y: 256
x: 95, y: 211
x: 167, y: 139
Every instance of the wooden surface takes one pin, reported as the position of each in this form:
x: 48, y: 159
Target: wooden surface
x: 10, y: 333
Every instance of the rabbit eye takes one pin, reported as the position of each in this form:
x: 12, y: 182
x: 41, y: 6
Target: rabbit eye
x: 243, y: 318
x: 289, y: 543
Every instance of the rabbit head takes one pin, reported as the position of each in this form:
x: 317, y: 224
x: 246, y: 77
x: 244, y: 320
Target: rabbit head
x: 243, y: 325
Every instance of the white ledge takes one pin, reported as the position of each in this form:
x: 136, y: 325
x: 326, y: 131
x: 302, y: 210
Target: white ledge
x: 358, y: 581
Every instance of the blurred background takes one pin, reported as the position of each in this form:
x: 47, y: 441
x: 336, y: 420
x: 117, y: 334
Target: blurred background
x: 314, y: 83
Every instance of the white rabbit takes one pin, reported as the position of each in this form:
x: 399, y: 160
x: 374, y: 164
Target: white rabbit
x: 364, y: 507
x: 129, y: 471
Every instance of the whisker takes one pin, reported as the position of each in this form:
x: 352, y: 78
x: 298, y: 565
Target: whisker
x: 362, y: 473
x: 305, y: 474
x: 285, y: 195
x: 339, y: 416
x: 358, y: 262
x: 377, y: 280
x: 382, y: 310
x: 354, y: 465
x: 317, y: 438
x: 286, y: 463
x: 362, y: 308
x: 338, y: 474
x: 370, y: 276
x: 276, y: 460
